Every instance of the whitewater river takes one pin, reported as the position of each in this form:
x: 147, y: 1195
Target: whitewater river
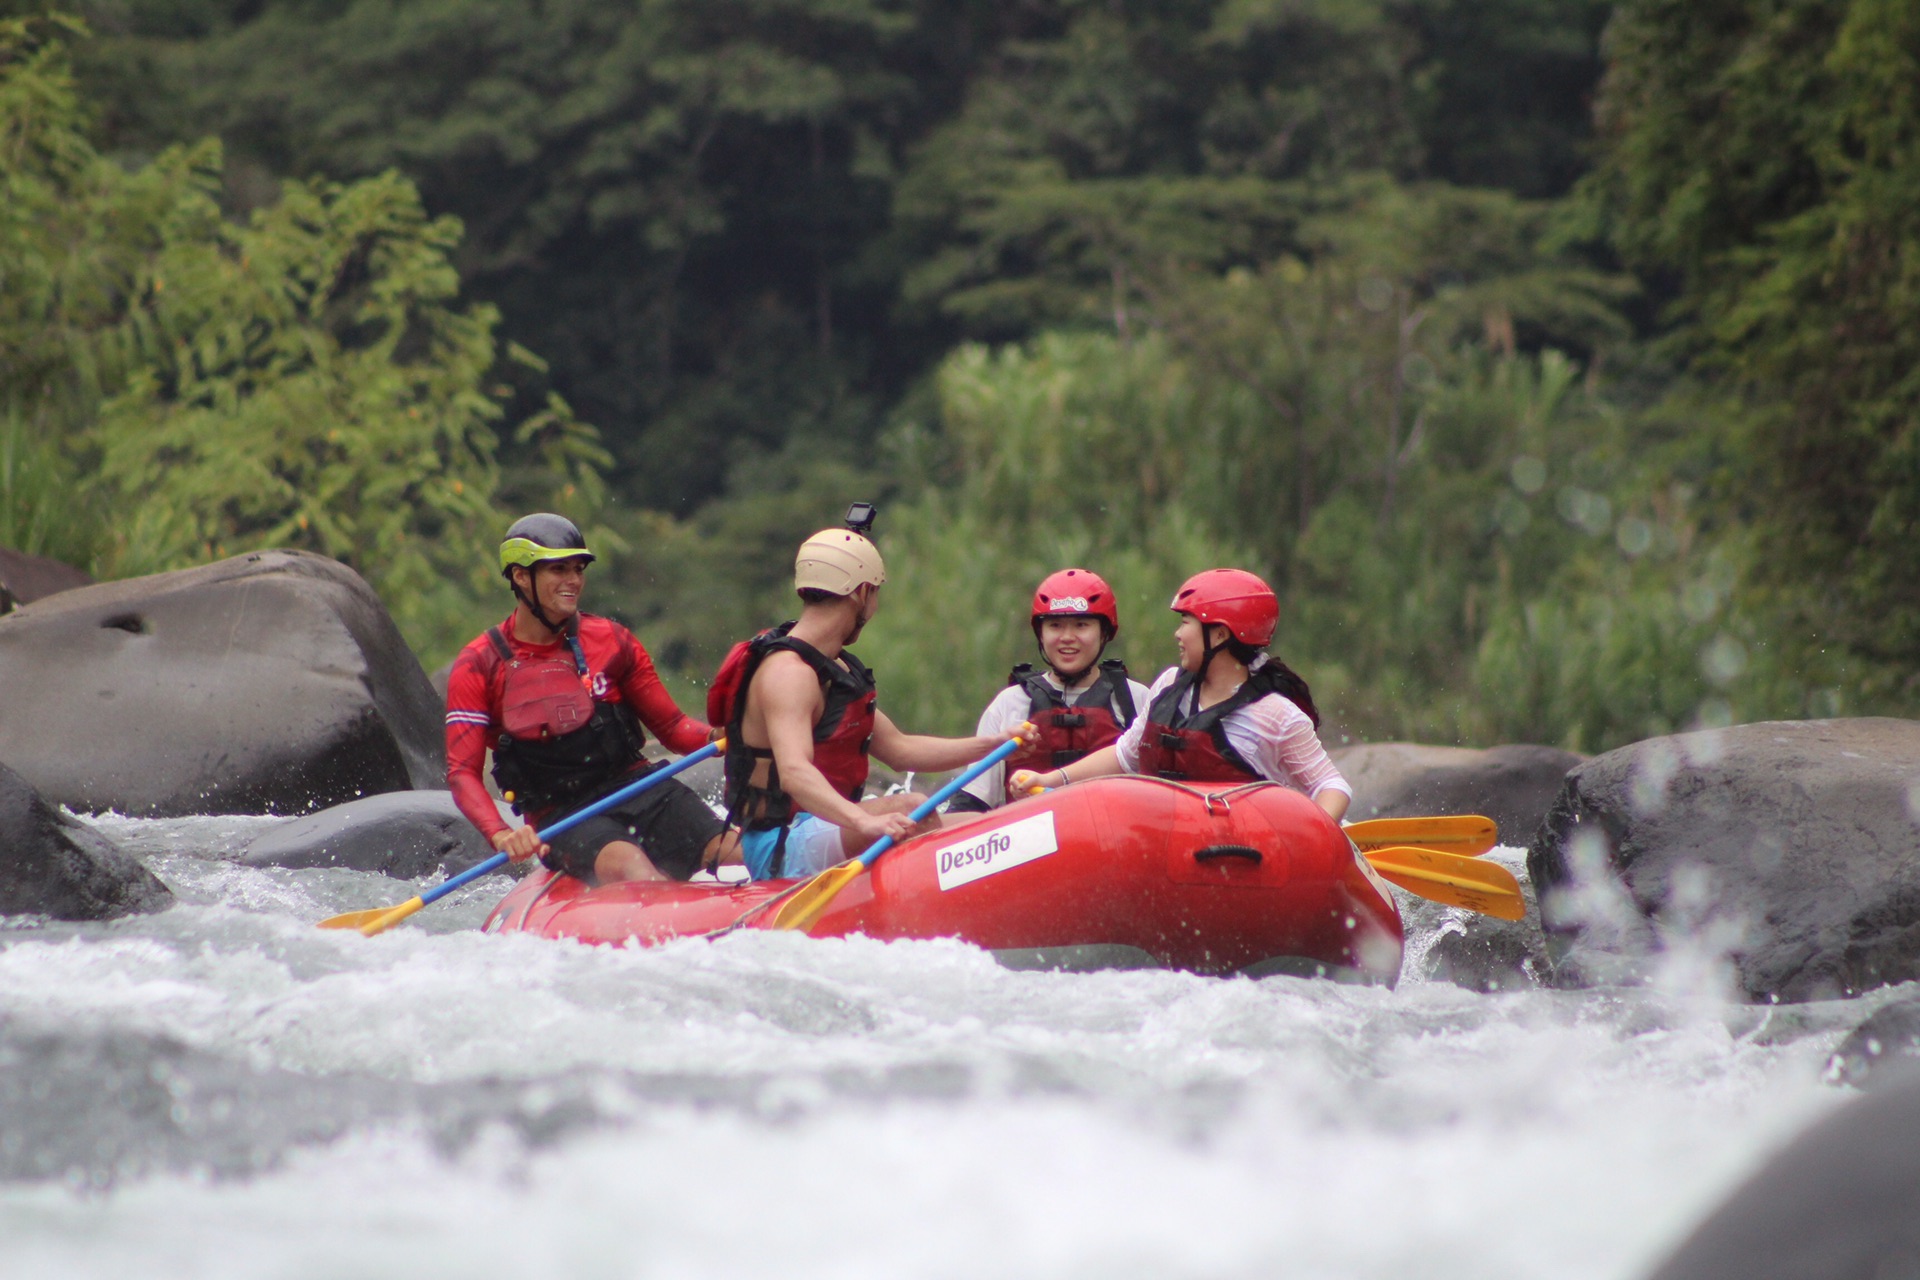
x: 224, y: 1090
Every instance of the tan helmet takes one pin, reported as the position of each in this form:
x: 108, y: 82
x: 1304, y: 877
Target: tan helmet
x: 837, y: 561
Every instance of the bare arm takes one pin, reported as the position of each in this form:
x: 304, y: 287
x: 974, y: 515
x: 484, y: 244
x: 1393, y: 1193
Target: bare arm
x: 788, y: 694
x: 1099, y: 764
x: 918, y: 753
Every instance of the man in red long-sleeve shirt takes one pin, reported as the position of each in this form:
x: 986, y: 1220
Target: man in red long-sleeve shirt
x: 561, y: 697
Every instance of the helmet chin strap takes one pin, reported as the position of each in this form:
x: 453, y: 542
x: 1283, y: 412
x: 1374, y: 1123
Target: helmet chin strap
x: 540, y: 615
x: 1209, y: 650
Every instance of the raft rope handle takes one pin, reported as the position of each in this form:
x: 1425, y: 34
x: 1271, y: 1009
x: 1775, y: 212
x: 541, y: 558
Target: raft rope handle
x: 1226, y: 797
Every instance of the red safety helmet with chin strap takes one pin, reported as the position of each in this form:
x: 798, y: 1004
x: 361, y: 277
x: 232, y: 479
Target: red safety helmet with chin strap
x: 1239, y: 601
x: 1076, y: 593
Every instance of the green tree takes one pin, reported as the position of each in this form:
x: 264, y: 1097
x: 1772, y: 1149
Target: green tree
x: 706, y: 213
x: 1766, y: 158
x: 306, y: 380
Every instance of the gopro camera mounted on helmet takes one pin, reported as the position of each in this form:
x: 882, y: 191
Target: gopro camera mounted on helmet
x: 860, y: 518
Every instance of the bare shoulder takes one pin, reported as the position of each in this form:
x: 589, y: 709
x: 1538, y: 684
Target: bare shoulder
x: 785, y: 676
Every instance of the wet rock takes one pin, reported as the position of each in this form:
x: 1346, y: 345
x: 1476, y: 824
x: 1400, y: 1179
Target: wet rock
x: 267, y: 683
x: 1480, y: 953
x: 1842, y: 1202
x: 25, y: 578
x: 1790, y: 845
x: 1890, y: 1038
x: 1513, y: 785
x: 55, y: 865
x: 406, y: 834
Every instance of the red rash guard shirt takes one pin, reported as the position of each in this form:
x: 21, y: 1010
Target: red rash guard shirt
x: 473, y: 704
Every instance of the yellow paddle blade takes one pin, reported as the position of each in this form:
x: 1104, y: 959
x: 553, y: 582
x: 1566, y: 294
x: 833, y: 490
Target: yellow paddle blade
x: 354, y: 919
x: 391, y: 917
x: 1463, y: 833
x: 811, y: 899
x: 1453, y: 880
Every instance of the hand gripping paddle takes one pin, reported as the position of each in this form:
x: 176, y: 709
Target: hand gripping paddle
x: 379, y: 919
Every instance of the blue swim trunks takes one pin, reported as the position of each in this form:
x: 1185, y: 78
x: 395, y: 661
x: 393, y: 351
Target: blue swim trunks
x: 813, y: 845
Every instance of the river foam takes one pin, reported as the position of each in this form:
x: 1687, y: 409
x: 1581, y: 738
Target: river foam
x: 223, y: 1090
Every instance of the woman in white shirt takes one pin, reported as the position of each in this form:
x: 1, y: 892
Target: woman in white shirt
x: 1079, y: 704
x: 1228, y: 713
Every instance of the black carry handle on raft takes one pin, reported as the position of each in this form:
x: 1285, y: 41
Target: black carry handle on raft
x: 380, y: 919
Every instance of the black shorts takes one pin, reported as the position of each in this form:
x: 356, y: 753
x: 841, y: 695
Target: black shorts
x: 668, y: 821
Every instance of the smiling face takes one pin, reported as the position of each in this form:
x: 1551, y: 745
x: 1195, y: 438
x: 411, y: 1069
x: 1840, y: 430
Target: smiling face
x: 557, y: 585
x: 1071, y: 644
x: 1193, y: 640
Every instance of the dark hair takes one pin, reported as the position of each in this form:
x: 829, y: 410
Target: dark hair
x: 1286, y: 682
x: 1276, y: 675
x: 1242, y: 652
x: 814, y: 595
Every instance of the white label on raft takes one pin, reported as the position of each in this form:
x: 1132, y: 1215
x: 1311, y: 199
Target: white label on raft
x: 991, y: 852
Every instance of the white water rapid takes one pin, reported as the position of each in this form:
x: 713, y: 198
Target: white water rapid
x: 223, y: 1090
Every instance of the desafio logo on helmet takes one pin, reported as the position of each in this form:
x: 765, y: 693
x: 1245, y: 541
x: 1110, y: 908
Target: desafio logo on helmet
x: 1071, y: 604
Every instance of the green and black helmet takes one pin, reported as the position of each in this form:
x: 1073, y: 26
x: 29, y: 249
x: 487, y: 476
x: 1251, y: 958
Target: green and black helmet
x: 542, y: 536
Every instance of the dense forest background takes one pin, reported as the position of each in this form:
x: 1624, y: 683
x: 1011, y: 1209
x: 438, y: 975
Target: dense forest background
x: 1557, y: 360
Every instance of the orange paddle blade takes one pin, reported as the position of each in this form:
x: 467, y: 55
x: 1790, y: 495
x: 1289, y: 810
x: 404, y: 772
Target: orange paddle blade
x: 1453, y: 880
x: 1462, y: 833
x: 810, y: 901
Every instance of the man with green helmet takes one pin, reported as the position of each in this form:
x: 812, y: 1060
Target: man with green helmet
x: 564, y: 699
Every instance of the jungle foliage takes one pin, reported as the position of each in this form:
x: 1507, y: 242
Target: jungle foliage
x: 1562, y: 383
x: 178, y: 386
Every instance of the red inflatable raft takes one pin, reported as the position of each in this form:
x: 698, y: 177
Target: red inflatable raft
x: 1124, y: 872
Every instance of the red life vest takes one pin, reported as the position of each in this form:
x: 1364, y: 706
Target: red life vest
x: 1069, y: 733
x: 1194, y: 748
x: 841, y: 738
x: 559, y: 743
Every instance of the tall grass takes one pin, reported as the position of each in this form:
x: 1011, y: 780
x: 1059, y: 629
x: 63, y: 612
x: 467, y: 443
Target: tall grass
x: 43, y: 508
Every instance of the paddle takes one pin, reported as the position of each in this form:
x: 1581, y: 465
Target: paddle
x: 1465, y: 833
x: 810, y: 900
x: 1453, y: 880
x: 380, y: 919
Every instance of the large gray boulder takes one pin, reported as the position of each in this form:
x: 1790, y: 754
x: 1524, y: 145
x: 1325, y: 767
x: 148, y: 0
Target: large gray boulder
x: 407, y: 834
x: 1842, y: 1202
x: 268, y: 683
x: 1792, y: 845
x: 1513, y: 785
x: 25, y: 578
x: 54, y: 865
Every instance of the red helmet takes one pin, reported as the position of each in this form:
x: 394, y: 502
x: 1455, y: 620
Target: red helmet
x: 1076, y: 593
x: 1239, y: 601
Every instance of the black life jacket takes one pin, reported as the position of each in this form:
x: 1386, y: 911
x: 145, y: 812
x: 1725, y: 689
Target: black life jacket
x: 1195, y: 748
x: 1069, y: 733
x: 840, y: 740
x: 559, y: 746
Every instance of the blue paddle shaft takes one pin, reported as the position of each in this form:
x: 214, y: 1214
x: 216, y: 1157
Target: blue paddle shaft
x: 944, y: 794
x: 593, y: 810
x: 471, y: 874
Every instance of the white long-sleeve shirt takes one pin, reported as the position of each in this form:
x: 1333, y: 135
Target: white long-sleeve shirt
x: 1004, y: 714
x: 1271, y: 734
